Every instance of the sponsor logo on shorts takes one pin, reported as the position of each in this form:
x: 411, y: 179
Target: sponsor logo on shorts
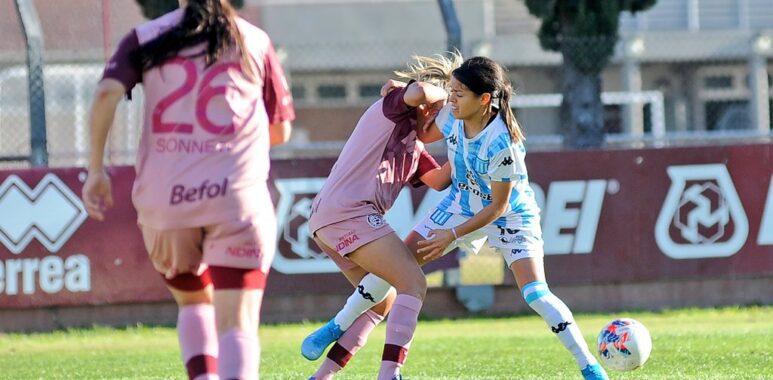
x: 375, y: 220
x: 517, y: 252
x: 346, y: 241
x: 244, y: 252
x: 517, y: 239
x: 508, y: 231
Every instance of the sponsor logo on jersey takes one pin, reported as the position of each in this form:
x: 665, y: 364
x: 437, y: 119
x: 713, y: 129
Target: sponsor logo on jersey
x: 206, y: 190
x: 702, y: 215
x: 474, y: 191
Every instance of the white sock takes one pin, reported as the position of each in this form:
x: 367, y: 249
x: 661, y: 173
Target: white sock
x: 560, y: 319
x: 370, y: 292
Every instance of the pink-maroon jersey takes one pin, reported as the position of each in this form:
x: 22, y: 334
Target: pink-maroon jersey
x: 380, y: 157
x: 203, y: 155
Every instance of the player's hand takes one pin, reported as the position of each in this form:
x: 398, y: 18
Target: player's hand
x: 391, y: 85
x: 97, y: 194
x: 430, y: 111
x: 435, y: 245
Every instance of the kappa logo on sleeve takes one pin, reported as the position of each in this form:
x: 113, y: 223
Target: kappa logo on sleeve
x: 50, y: 213
x: 702, y: 215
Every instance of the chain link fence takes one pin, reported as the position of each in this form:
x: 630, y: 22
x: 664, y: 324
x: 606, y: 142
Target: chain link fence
x: 666, y: 82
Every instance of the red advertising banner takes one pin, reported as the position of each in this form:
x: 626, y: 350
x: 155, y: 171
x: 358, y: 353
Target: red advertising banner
x: 611, y: 216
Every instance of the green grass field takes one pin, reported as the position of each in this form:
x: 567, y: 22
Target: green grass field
x: 728, y: 343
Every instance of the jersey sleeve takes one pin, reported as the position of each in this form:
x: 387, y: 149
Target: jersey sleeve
x: 121, y: 67
x: 426, y: 164
x: 394, y: 106
x: 444, y: 120
x: 507, y: 165
x: 276, y: 93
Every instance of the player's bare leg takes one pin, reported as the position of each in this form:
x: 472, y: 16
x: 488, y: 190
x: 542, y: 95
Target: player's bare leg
x: 388, y: 258
x: 238, y: 296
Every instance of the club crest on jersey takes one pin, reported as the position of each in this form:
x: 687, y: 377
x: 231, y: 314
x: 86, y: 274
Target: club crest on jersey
x: 480, y: 166
x: 375, y: 220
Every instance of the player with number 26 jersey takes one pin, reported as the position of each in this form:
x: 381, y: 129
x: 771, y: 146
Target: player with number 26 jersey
x: 203, y: 119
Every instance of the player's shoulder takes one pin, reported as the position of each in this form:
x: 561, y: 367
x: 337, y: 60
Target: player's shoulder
x: 153, y: 28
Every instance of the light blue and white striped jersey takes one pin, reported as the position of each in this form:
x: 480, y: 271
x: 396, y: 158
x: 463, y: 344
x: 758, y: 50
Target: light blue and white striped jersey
x: 475, y: 163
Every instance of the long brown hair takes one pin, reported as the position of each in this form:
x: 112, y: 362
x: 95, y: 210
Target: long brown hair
x: 204, y: 21
x: 483, y: 75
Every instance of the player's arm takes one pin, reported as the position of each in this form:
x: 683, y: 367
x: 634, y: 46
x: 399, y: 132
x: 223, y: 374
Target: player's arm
x: 434, y: 247
x: 434, y: 98
x: 279, y: 133
x: 438, y: 178
x: 277, y: 99
x: 97, y: 190
x: 431, y: 132
x: 106, y: 98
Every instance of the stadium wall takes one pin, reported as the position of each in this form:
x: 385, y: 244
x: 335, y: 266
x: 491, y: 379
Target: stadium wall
x: 624, y: 229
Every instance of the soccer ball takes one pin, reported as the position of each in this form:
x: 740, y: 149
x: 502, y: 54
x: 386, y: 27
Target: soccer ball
x: 624, y: 344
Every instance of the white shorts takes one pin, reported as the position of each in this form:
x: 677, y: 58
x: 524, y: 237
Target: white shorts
x: 513, y: 244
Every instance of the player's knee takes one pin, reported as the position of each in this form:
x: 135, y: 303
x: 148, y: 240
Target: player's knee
x: 386, y: 305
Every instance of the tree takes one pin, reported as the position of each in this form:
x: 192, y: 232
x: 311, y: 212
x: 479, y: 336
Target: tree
x: 155, y: 8
x: 585, y: 33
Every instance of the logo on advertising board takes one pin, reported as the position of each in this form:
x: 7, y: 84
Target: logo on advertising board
x: 49, y: 213
x: 292, y: 213
x: 702, y: 215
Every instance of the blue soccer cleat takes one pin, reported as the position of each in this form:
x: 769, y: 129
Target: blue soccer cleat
x: 594, y: 372
x: 315, y: 344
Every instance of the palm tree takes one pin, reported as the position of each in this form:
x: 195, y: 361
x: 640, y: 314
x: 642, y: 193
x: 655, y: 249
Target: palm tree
x: 585, y: 33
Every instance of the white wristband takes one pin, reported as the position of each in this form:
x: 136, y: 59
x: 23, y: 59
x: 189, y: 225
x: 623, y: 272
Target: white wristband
x: 453, y: 231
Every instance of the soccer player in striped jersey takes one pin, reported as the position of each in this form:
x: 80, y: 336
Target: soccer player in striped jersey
x: 216, y: 98
x: 490, y: 198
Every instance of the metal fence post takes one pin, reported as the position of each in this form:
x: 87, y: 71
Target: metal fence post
x: 451, y: 23
x: 33, y: 34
